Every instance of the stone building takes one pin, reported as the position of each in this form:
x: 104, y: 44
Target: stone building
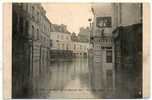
x: 102, y: 66
x: 127, y: 35
x: 30, y: 47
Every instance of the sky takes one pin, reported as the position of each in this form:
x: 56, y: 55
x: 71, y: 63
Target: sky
x: 73, y: 15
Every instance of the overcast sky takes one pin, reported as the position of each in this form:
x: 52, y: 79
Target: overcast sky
x: 72, y: 15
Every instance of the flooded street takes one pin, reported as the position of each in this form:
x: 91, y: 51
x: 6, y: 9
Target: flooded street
x: 74, y: 50
x: 66, y: 79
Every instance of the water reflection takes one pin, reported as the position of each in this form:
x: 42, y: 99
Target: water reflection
x: 66, y: 79
x: 64, y: 72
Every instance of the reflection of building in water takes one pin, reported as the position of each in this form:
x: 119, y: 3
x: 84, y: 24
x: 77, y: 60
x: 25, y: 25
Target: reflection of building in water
x: 127, y: 36
x: 101, y: 39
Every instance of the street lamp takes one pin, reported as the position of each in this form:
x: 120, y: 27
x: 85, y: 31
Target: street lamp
x: 89, y: 20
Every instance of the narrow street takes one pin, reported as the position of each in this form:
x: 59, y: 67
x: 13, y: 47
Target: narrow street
x: 77, y: 50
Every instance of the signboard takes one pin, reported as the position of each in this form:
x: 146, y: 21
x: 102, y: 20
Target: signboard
x: 102, y: 22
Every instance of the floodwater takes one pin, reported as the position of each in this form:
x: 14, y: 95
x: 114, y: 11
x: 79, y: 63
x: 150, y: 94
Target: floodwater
x: 65, y: 79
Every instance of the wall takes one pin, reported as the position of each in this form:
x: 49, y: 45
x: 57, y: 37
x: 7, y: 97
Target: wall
x: 127, y: 14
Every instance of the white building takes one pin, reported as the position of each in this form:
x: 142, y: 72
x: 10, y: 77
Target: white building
x: 60, y: 41
x: 80, y: 49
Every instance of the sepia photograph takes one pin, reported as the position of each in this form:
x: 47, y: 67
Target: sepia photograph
x: 77, y: 50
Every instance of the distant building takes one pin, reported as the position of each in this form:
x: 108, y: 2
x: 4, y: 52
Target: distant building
x: 64, y: 41
x: 30, y: 47
x: 127, y: 36
x: 80, y: 49
x: 84, y: 34
x: 60, y: 41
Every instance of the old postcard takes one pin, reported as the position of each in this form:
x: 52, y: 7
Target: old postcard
x: 76, y: 50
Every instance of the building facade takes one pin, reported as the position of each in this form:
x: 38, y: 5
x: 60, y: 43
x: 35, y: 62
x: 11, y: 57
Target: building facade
x: 62, y: 41
x: 30, y: 47
x: 127, y: 35
x: 102, y: 70
x: 80, y: 49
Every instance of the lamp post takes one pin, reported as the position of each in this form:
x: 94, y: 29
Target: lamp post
x: 89, y: 20
x: 90, y: 55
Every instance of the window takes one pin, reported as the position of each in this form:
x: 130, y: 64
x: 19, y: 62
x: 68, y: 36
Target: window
x: 109, y: 56
x: 74, y: 46
x: 38, y: 17
x: 26, y: 7
x: 21, y: 24
x: 62, y: 46
x: 21, y: 5
x: 26, y: 27
x: 33, y: 31
x: 32, y: 12
x: 38, y: 34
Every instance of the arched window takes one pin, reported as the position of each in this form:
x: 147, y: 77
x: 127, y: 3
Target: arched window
x: 33, y: 32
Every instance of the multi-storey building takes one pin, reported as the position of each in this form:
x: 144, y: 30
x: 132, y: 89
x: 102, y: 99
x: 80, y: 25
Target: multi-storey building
x: 127, y: 35
x: 102, y: 71
x: 30, y: 46
x: 60, y: 39
x: 62, y: 42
